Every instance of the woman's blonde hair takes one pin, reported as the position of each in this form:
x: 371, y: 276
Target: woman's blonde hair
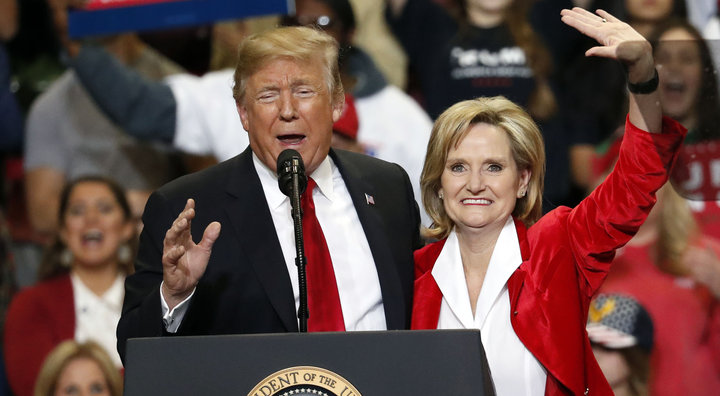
x: 526, y: 145
x: 299, y: 43
x: 66, y: 352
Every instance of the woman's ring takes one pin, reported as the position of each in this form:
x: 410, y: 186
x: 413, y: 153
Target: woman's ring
x: 604, y: 20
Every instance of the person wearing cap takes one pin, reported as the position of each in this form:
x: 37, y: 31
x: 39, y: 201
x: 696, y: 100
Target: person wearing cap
x: 345, y: 129
x: 621, y: 333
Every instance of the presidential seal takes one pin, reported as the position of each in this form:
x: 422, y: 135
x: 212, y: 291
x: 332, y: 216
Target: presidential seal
x: 302, y: 381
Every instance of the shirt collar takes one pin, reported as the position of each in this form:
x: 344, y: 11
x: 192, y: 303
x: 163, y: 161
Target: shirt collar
x: 112, y: 297
x: 450, y: 278
x: 323, y: 176
x: 506, y: 258
x: 449, y: 275
x: 269, y: 181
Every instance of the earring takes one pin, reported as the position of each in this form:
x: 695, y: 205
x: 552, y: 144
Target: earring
x: 523, y: 193
x: 66, y: 258
x: 440, y: 194
x: 124, y: 253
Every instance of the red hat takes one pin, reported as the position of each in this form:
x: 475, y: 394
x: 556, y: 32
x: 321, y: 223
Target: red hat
x: 348, y: 123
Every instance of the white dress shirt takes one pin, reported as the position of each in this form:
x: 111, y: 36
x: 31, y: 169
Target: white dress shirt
x: 355, y: 272
x: 96, y: 317
x: 514, y: 370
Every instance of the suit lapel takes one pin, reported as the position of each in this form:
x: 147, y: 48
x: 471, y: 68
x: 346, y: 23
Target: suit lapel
x: 252, y: 222
x: 427, y: 300
x: 374, y: 227
x: 517, y: 279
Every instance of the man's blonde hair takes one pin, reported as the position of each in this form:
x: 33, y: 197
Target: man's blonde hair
x: 299, y: 43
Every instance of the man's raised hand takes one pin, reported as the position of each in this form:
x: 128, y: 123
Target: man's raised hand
x: 183, y: 260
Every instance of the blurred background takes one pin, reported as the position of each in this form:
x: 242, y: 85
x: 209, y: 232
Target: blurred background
x: 107, y: 102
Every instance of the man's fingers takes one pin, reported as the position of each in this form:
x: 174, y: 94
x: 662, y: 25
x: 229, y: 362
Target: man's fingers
x: 212, y: 231
x: 173, y: 255
x: 175, y: 234
x: 190, y: 203
x: 182, y: 222
x: 187, y: 214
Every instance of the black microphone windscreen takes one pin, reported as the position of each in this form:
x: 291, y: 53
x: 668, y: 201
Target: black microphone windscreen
x: 289, y: 161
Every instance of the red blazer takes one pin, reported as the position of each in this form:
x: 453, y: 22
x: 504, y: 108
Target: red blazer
x: 38, y: 319
x: 566, y: 256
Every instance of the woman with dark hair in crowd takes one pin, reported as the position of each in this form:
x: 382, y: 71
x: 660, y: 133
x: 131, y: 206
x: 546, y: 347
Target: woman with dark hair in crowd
x: 596, y: 107
x: 81, y: 286
x: 689, y: 94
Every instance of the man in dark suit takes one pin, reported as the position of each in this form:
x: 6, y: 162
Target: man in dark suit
x: 242, y: 280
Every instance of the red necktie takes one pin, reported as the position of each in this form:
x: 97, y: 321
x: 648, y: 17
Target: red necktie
x: 323, y: 298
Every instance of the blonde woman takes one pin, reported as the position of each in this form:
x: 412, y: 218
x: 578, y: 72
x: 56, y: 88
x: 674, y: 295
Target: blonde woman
x: 74, y: 368
x: 525, y: 281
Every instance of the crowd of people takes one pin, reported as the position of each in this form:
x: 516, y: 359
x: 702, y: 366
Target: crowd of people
x: 544, y: 171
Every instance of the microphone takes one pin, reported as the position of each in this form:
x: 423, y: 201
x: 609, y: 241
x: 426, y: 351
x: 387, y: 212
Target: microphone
x: 293, y: 182
x: 289, y: 164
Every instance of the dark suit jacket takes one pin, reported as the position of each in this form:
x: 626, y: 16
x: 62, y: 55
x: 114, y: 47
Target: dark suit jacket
x: 246, y: 287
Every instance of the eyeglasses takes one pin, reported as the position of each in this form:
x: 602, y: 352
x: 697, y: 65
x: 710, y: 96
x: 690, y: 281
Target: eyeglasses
x: 322, y: 21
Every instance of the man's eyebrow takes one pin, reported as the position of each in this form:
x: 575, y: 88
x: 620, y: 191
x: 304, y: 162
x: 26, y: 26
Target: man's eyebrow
x: 304, y: 81
x: 268, y: 86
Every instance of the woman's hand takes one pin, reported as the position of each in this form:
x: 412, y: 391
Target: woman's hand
x: 619, y: 41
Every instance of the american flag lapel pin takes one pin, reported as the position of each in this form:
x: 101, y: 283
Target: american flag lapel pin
x: 369, y: 199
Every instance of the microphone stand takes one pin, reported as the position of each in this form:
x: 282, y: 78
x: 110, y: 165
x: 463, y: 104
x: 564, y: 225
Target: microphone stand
x: 300, y: 259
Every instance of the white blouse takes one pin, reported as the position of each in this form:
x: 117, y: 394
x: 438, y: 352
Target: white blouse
x: 514, y: 370
x: 96, y: 317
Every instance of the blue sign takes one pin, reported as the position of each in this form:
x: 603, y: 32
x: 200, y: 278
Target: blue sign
x: 117, y: 16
